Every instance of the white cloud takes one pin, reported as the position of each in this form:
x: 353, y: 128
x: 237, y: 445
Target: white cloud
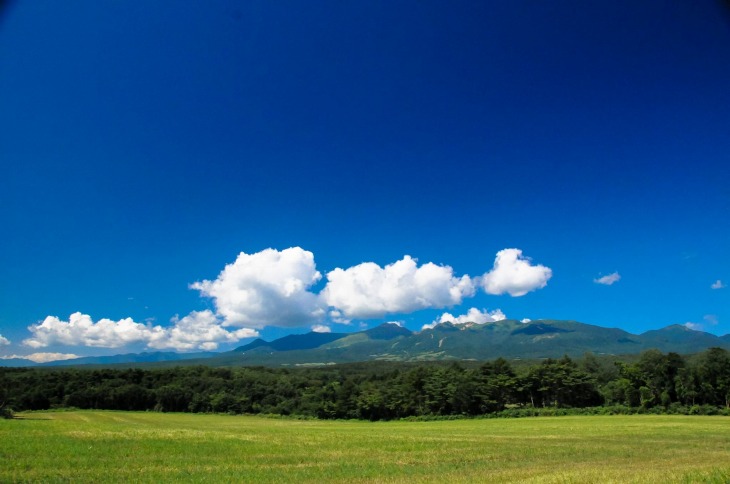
x: 718, y: 284
x: 609, y: 279
x: 473, y: 315
x: 525, y: 320
x: 707, y: 320
x: 337, y: 317
x: 267, y: 288
x: 198, y: 330
x: 80, y: 330
x: 369, y: 291
x: 397, y: 323
x: 321, y: 328
x: 42, y: 357
x: 4, y: 341
x: 514, y: 274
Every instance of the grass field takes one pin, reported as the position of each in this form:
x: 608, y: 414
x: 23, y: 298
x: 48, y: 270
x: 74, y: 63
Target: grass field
x: 85, y: 446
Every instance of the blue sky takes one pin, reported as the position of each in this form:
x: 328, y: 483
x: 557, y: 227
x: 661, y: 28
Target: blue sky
x: 145, y: 145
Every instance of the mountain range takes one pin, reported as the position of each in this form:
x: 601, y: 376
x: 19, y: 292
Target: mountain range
x: 446, y: 341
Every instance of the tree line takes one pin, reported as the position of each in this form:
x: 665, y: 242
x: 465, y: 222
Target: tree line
x: 655, y: 382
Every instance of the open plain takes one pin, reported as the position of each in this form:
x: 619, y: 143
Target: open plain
x: 97, y: 446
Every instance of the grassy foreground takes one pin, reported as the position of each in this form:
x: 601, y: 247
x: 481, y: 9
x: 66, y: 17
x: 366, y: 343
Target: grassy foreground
x: 88, y: 446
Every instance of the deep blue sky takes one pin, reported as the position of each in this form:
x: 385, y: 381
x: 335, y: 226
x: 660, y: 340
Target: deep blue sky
x: 143, y: 145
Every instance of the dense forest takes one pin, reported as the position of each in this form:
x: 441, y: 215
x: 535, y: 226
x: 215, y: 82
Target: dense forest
x: 655, y: 382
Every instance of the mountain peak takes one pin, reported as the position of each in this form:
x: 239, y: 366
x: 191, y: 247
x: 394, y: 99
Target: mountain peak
x: 387, y: 331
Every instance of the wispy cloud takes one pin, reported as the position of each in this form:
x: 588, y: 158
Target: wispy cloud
x: 711, y: 319
x: 707, y: 320
x: 718, y: 284
x: 4, y: 341
x: 608, y: 280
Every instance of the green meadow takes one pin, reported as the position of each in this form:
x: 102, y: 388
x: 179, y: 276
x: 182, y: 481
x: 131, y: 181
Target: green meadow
x: 98, y: 446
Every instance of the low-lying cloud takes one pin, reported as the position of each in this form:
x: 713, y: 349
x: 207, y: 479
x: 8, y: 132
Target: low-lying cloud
x: 198, y: 330
x: 42, y: 357
x: 473, y: 315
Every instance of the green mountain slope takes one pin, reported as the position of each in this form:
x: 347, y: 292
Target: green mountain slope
x: 391, y: 342
x: 509, y: 338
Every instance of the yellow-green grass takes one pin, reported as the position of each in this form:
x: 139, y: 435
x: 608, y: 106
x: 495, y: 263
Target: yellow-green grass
x: 87, y: 446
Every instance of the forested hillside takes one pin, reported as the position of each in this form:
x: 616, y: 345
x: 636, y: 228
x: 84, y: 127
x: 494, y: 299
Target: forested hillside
x: 380, y: 390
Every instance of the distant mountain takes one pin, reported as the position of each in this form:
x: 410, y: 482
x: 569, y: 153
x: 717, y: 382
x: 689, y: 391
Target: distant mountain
x: 388, y: 331
x: 131, y: 358
x: 680, y: 338
x: 17, y: 362
x: 446, y: 341
x: 294, y: 342
x: 508, y: 338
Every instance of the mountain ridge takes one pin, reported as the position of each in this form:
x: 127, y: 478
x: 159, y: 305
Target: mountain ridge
x: 446, y: 341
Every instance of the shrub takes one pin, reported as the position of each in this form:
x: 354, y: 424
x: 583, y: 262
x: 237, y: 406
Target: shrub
x: 6, y: 412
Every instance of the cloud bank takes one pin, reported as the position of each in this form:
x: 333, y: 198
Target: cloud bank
x: 198, y: 330
x: 609, y: 279
x: 515, y: 274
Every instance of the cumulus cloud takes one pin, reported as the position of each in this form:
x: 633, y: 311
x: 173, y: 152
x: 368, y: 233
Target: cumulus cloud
x: 198, y: 330
x: 80, y: 330
x: 321, y: 328
x: 274, y: 288
x: 4, y: 341
x: 608, y: 280
x: 473, y: 315
x: 525, y: 320
x: 267, y: 288
x: 514, y: 274
x: 718, y: 284
x: 42, y: 357
x: 369, y: 291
